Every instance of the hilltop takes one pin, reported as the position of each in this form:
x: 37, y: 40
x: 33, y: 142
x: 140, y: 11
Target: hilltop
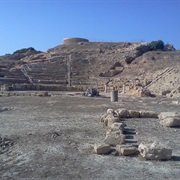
x: 78, y: 64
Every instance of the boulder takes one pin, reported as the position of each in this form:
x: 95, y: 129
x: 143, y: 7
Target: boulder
x: 102, y: 148
x: 110, y: 111
x: 133, y: 114
x: 109, y: 118
x: 148, y: 114
x: 164, y: 115
x: 155, y: 151
x: 169, y: 119
x: 127, y: 150
x: 114, y: 138
x: 170, y: 122
x: 117, y: 126
x: 123, y: 113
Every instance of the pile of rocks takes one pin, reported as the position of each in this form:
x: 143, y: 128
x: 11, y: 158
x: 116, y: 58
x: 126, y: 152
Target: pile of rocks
x: 91, y: 92
x: 115, y: 140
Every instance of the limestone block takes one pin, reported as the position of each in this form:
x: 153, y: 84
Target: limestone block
x: 111, y: 120
x: 110, y: 111
x: 133, y: 114
x: 102, y: 148
x: 148, y: 114
x: 127, y: 150
x: 164, y: 115
x: 117, y: 126
x: 123, y: 113
x: 103, y: 117
x: 114, y: 138
x: 170, y: 121
x: 155, y: 151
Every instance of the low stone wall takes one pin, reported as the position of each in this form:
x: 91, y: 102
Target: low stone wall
x: 41, y: 87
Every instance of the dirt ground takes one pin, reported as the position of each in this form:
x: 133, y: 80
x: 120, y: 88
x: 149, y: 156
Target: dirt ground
x: 53, y: 138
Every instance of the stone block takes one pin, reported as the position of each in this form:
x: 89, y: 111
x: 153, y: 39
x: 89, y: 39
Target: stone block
x: 126, y: 150
x: 155, y: 151
x: 169, y: 119
x: 102, y: 148
x: 148, y: 114
x: 110, y: 111
x: 133, y: 114
x: 114, y: 138
x: 164, y: 115
x: 112, y: 120
x: 123, y: 113
x: 117, y: 126
x: 170, y: 122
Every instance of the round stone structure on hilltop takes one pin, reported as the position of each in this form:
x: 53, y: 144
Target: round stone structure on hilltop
x: 74, y: 40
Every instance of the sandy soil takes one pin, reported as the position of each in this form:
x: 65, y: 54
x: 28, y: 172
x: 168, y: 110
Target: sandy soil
x: 53, y: 138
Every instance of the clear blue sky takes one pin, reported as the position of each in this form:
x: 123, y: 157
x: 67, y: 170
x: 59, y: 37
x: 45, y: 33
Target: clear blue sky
x: 43, y: 24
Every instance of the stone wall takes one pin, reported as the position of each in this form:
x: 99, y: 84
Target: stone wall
x: 74, y: 40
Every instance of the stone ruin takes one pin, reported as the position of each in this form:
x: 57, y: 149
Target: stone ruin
x: 78, y: 64
x: 115, y: 140
x: 67, y: 41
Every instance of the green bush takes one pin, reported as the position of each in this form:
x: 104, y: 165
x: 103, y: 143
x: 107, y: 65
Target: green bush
x: 157, y: 45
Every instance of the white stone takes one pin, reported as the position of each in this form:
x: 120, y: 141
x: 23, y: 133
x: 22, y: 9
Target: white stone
x: 114, y: 138
x: 169, y: 119
x: 155, y: 151
x: 110, y: 111
x: 117, y: 126
x: 170, y: 122
x: 123, y: 113
x: 148, y: 114
x: 164, y: 115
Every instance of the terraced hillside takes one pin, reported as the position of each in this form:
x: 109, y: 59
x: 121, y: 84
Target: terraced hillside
x: 92, y: 64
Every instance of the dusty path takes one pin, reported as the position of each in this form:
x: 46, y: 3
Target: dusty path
x: 54, y: 136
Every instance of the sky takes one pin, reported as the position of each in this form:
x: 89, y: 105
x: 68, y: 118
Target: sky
x: 43, y: 24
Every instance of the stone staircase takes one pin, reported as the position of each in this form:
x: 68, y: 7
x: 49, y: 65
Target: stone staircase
x: 46, y: 72
x: 164, y: 83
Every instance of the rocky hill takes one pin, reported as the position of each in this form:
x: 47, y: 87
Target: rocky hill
x: 78, y: 64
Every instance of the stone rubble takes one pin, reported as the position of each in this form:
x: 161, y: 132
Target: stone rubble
x: 115, y: 140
